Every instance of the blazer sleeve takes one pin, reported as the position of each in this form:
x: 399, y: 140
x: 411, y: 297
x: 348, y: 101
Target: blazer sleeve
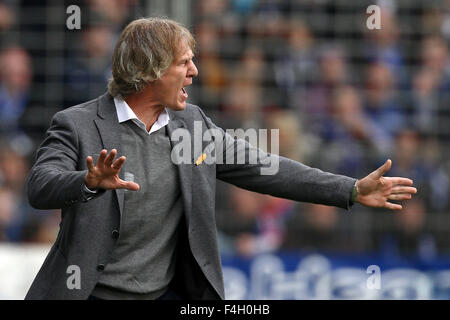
x: 54, y: 182
x: 293, y: 180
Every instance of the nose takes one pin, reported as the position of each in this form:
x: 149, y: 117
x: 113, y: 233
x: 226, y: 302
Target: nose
x: 192, y: 71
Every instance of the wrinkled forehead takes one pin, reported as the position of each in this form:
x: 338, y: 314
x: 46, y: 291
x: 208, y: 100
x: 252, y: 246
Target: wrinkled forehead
x: 183, y: 49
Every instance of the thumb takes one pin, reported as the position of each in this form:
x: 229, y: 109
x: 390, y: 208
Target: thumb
x: 129, y: 185
x: 383, y: 169
x: 133, y: 186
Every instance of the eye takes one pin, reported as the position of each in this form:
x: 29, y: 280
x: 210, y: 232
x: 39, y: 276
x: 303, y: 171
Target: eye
x: 186, y: 61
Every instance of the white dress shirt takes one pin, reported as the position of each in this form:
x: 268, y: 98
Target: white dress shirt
x: 124, y: 113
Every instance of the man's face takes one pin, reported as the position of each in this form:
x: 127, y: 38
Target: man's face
x: 169, y: 89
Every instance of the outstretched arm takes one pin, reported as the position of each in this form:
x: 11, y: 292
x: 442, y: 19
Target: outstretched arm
x: 375, y: 190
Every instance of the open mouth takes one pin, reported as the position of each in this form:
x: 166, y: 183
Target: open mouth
x: 183, y: 93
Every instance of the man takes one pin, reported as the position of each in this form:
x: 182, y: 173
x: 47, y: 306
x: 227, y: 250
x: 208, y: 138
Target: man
x: 145, y: 228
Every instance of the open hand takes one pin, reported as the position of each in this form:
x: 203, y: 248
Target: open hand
x: 105, y: 174
x: 375, y: 190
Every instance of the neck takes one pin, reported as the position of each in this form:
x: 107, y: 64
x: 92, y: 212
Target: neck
x: 146, y: 110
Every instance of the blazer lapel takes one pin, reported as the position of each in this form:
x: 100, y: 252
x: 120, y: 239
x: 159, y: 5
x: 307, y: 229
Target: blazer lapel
x: 109, y: 129
x: 184, y: 170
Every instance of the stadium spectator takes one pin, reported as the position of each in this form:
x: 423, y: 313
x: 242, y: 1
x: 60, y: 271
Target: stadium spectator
x: 256, y: 222
x: 382, y: 103
x: 118, y: 12
x: 243, y: 105
x: 382, y: 46
x: 87, y: 70
x: 292, y: 141
x: 425, y: 102
x: 317, y: 228
x: 214, y: 76
x: 435, y: 63
x: 333, y: 72
x: 13, y: 168
x: 349, y: 135
x: 15, y: 81
x: 444, y: 25
x: 420, y: 158
x: 19, y: 222
x: 410, y: 235
x: 435, y: 57
x: 295, y: 67
x: 7, y: 17
x: 7, y: 201
x: 270, y: 228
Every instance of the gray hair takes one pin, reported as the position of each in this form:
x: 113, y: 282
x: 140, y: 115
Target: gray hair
x: 145, y: 50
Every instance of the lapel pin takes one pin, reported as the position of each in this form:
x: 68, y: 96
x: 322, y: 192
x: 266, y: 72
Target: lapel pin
x: 200, y: 159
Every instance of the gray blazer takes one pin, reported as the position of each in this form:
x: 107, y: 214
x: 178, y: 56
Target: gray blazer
x: 88, y: 228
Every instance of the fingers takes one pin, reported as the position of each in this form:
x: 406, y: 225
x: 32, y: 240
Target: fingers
x: 401, y: 196
x: 400, y: 193
x: 392, y: 206
x: 110, y: 158
x: 106, y: 160
x: 90, y: 163
x: 400, y: 181
x: 401, y: 189
x: 383, y: 169
x: 117, y: 165
x: 101, y: 158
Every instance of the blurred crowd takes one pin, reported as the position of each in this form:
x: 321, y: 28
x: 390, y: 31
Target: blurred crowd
x: 345, y: 98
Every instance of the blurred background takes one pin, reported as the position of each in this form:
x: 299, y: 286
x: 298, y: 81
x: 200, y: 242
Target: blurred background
x: 345, y: 98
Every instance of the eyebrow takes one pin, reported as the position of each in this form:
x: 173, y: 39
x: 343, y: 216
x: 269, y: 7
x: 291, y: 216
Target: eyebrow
x: 183, y: 57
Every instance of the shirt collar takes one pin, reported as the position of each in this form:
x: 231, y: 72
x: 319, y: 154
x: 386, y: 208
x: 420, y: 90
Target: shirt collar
x: 125, y: 113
